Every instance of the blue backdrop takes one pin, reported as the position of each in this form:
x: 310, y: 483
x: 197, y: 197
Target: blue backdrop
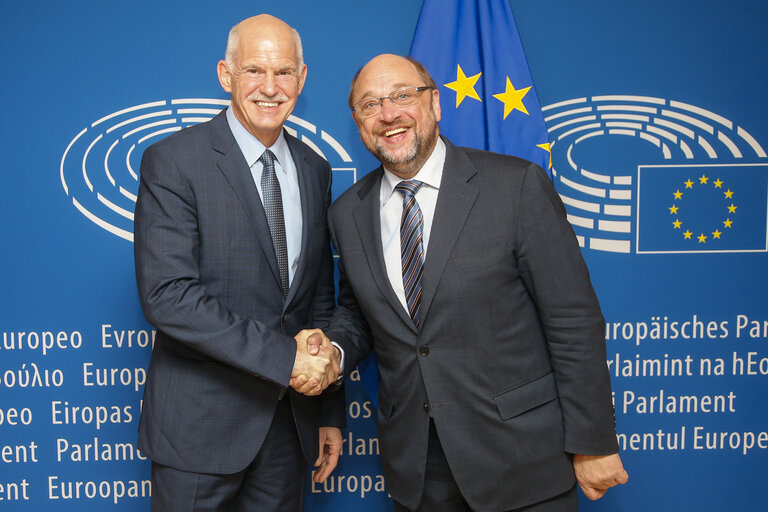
x: 656, y: 114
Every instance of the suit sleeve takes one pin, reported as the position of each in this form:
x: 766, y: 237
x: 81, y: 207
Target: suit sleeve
x: 348, y: 326
x: 557, y: 279
x: 172, y: 296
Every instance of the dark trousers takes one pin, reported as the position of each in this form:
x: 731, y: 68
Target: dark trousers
x: 274, y: 481
x: 441, y: 493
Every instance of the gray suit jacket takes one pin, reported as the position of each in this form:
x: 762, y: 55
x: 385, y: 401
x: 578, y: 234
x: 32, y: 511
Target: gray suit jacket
x: 510, y: 356
x: 208, y: 280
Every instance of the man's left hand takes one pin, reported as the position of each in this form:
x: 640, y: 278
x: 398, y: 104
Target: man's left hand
x: 330, y: 449
x: 596, y: 473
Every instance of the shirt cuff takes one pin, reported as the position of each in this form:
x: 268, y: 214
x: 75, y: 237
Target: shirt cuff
x: 341, y: 364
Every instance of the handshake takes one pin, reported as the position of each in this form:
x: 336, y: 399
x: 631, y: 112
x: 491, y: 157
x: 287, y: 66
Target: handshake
x: 317, y: 362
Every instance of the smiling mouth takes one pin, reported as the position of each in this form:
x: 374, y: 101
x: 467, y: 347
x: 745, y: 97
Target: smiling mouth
x: 395, y: 131
x: 267, y: 104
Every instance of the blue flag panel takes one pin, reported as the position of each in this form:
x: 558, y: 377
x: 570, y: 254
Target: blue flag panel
x: 473, y: 51
x: 702, y: 208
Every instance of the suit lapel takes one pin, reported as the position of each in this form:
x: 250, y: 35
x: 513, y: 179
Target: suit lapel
x: 368, y: 221
x: 454, y: 203
x: 234, y: 167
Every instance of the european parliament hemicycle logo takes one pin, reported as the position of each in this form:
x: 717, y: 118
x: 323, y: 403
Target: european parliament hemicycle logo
x: 99, y: 168
x: 648, y: 175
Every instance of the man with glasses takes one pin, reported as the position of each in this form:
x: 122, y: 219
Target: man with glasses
x: 459, y: 268
x: 234, y: 266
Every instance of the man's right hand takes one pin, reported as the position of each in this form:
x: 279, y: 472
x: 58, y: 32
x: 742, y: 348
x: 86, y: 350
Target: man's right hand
x: 317, y: 363
x: 597, y: 473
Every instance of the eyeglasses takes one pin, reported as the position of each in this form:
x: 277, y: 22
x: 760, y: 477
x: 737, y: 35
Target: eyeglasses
x: 404, y: 97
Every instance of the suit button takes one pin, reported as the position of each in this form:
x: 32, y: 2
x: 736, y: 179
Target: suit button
x: 426, y: 406
x: 424, y: 350
x: 285, y: 318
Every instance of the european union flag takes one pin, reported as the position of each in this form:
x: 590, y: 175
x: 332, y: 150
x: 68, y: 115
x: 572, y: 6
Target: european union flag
x: 472, y: 50
x: 702, y: 208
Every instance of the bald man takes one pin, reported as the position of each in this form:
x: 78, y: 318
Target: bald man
x: 460, y: 269
x: 234, y: 268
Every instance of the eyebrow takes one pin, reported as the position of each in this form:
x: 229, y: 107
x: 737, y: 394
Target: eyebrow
x: 399, y: 85
x: 259, y: 67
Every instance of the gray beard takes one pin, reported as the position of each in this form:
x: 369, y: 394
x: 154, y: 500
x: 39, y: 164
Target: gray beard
x: 415, y: 155
x: 388, y: 159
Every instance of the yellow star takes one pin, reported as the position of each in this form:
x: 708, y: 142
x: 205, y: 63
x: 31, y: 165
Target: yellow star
x: 702, y: 239
x: 718, y: 183
x: 687, y: 234
x: 728, y: 194
x: 716, y: 234
x: 728, y: 222
x: 703, y: 179
x: 673, y: 209
x: 512, y: 99
x: 678, y: 194
x: 689, y: 183
x: 677, y: 223
x: 732, y: 208
x: 464, y: 86
x: 546, y: 147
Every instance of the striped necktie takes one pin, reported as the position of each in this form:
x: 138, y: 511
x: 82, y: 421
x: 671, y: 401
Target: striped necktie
x: 411, y: 246
x: 273, y: 207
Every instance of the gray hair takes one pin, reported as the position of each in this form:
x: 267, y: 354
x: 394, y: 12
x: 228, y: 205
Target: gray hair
x: 233, y: 40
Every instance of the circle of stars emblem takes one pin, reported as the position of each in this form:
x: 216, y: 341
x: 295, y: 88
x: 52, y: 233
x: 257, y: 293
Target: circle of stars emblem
x: 689, y: 189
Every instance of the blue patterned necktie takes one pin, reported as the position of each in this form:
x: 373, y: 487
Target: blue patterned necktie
x: 411, y: 246
x: 273, y: 207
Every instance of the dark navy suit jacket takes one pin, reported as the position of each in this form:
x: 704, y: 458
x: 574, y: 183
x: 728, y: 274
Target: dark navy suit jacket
x: 208, y: 281
x: 510, y: 355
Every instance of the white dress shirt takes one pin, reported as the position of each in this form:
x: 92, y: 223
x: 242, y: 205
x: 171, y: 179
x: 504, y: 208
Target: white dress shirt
x: 285, y: 169
x: 391, y: 211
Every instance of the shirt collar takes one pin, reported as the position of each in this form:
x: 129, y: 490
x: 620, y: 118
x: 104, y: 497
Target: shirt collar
x: 431, y: 173
x: 251, y: 147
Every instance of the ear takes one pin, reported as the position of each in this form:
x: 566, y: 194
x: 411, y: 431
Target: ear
x: 436, y: 103
x: 302, y: 77
x: 225, y: 77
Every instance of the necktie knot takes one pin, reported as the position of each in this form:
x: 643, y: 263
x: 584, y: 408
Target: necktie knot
x: 267, y: 159
x: 408, y: 188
